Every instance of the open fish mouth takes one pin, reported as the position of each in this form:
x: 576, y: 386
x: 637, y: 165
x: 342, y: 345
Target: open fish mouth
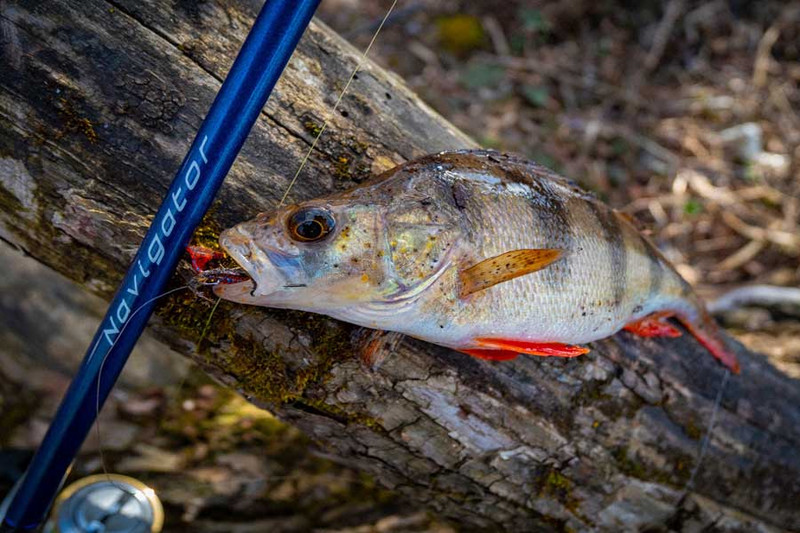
x: 218, y: 269
x: 215, y: 268
x: 235, y: 284
x: 224, y: 280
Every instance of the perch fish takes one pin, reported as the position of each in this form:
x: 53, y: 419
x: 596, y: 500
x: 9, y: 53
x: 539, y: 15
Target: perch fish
x: 478, y: 251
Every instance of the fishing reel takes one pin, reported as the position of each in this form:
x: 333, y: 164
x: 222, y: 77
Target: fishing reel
x: 103, y: 503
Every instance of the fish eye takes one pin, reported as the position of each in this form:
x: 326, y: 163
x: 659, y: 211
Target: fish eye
x: 310, y: 224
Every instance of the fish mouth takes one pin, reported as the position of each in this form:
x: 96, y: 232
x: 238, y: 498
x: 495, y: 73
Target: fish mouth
x: 264, y: 278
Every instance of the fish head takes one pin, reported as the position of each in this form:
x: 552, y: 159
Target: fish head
x: 375, y: 244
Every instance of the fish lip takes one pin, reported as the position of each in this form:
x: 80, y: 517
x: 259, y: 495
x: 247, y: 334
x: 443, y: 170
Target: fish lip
x: 240, y: 291
x: 264, y: 280
x: 233, y: 242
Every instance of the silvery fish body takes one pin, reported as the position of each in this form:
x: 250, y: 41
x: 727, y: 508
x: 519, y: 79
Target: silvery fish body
x: 392, y: 253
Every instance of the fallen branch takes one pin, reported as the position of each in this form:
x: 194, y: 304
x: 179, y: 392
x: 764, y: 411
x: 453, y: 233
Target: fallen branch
x: 756, y: 296
x: 789, y: 241
x: 672, y: 12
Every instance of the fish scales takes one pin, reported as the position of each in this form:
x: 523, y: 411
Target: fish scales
x: 581, y: 294
x: 403, y: 252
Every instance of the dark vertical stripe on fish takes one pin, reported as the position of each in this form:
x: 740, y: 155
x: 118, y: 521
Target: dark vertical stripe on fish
x: 617, y: 252
x: 686, y: 289
x: 656, y: 268
x: 548, y: 206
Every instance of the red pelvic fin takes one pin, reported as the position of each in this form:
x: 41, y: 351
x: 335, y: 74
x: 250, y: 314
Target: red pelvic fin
x: 491, y: 355
x: 545, y: 349
x: 654, y: 325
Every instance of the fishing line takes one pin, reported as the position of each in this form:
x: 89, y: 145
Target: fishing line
x: 100, y: 374
x: 338, y: 101
x: 703, y: 449
x: 208, y: 322
x: 707, y: 437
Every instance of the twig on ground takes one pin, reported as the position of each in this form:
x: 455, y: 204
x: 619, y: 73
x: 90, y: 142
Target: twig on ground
x: 659, y: 213
x: 644, y: 203
x: 755, y: 295
x: 703, y: 186
x: 789, y: 241
x: 741, y: 256
x: 425, y: 54
x: 764, y: 56
x: 761, y: 192
x: 496, y: 34
x: 661, y: 38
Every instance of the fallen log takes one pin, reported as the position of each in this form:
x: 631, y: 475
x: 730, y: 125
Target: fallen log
x: 98, y: 100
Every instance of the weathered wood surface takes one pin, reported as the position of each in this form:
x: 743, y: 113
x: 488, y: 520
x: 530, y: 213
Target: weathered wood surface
x: 98, y: 100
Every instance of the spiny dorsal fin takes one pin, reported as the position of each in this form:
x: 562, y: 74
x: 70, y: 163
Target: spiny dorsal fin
x: 627, y: 217
x: 505, y: 267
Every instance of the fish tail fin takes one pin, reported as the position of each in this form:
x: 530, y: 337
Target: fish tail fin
x: 679, y: 300
x: 702, y: 326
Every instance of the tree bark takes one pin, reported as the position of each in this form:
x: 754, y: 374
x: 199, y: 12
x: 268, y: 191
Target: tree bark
x: 98, y: 101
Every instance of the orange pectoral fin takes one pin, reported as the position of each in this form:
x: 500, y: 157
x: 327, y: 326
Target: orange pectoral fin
x: 505, y: 267
x: 654, y: 325
x: 491, y: 355
x: 545, y: 349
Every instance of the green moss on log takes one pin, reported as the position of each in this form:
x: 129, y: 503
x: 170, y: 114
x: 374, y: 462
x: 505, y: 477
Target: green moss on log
x: 678, y: 475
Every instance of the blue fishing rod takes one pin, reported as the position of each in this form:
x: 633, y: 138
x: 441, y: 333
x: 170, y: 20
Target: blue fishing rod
x: 255, y: 71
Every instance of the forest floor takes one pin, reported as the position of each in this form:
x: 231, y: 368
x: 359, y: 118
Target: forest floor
x: 683, y: 114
